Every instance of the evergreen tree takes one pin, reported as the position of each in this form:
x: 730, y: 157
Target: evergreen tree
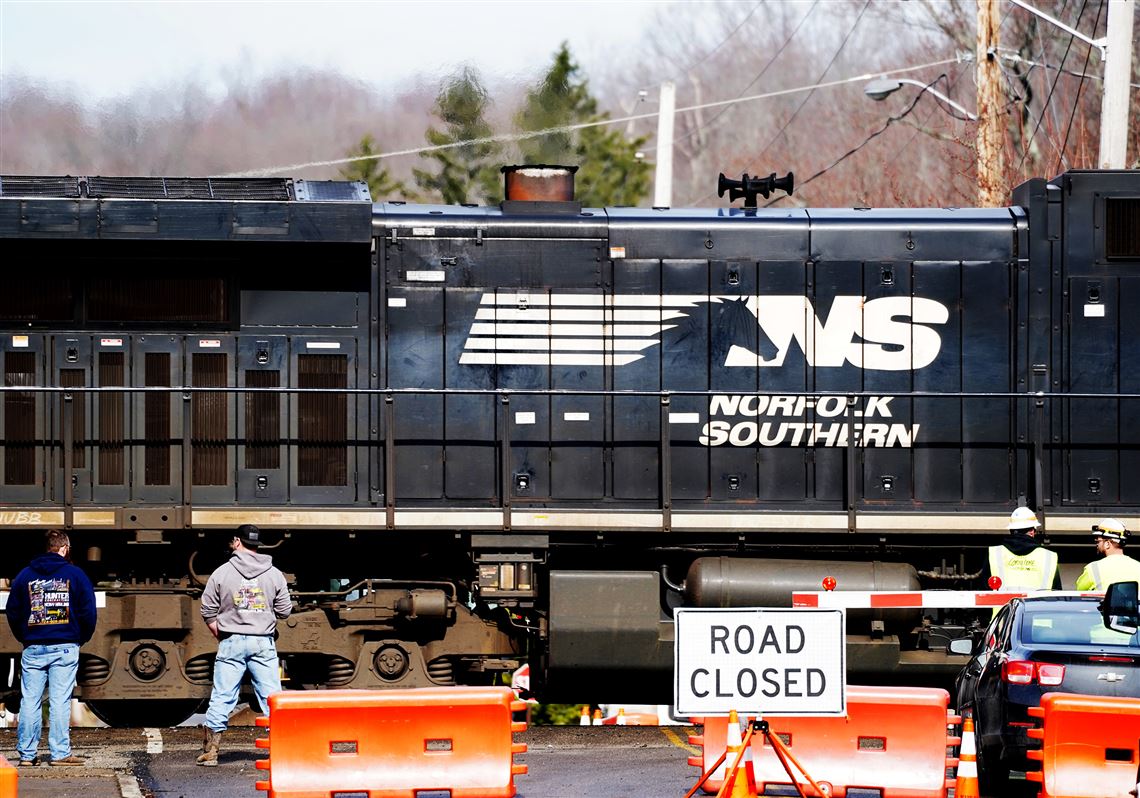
x: 468, y: 172
x: 369, y: 170
x: 609, y: 171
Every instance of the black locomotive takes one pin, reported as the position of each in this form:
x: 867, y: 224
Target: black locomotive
x: 485, y: 436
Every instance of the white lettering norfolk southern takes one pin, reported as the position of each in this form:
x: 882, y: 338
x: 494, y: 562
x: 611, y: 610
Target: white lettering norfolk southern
x: 883, y: 334
x: 829, y: 428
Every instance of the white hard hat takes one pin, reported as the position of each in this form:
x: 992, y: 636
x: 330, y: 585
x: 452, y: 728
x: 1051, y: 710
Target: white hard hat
x: 1022, y: 518
x: 1110, y: 529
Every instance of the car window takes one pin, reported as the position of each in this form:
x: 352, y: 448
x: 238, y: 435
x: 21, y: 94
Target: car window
x: 995, y: 634
x: 1043, y: 627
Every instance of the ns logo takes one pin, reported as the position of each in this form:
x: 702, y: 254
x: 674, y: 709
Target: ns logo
x: 884, y: 334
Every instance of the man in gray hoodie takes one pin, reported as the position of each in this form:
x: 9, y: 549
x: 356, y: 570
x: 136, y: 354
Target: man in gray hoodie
x: 242, y: 602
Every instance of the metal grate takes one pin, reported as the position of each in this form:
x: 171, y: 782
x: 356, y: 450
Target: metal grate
x: 1122, y: 228
x: 27, y: 186
x: 195, y: 188
x: 331, y: 191
x: 209, y: 413
x: 322, y: 423
x: 74, y: 378
x: 38, y: 298
x: 19, y: 420
x: 156, y: 419
x: 262, y: 421
x: 112, y: 453
x: 157, y: 299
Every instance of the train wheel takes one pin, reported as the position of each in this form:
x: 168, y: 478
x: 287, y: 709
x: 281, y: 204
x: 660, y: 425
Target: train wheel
x: 127, y: 713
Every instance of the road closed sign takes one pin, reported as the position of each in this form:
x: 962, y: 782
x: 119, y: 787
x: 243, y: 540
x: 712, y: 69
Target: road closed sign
x: 758, y: 660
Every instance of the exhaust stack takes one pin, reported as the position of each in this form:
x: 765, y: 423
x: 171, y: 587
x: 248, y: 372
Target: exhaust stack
x: 539, y: 188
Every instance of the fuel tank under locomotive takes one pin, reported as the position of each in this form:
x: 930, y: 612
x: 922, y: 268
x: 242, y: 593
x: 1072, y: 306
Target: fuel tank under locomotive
x: 611, y: 632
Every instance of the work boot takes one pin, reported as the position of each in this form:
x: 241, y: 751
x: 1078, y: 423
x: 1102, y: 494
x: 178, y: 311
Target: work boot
x: 210, y: 741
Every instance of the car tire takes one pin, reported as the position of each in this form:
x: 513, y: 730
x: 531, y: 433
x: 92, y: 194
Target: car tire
x: 993, y: 774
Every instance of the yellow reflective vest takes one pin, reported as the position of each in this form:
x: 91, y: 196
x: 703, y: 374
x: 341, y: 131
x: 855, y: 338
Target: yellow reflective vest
x: 1033, y: 571
x: 1098, y: 575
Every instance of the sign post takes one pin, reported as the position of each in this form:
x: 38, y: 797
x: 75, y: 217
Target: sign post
x: 769, y: 661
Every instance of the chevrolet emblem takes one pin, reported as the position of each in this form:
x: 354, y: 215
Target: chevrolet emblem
x: 1110, y: 677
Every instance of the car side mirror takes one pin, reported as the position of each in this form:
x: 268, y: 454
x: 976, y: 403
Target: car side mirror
x: 962, y: 645
x: 1121, y: 608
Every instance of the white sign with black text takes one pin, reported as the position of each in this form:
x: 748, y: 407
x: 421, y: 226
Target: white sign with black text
x: 769, y: 661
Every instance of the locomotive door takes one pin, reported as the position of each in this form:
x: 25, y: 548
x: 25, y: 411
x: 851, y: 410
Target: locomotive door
x: 213, y: 428
x: 322, y: 424
x: 22, y: 419
x: 72, y: 369
x: 261, y: 428
x: 157, y: 418
x: 1102, y: 356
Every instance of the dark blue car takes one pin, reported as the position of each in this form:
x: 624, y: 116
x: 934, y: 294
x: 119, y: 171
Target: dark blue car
x: 1051, y: 642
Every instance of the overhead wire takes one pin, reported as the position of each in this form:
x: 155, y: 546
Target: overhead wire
x: 1049, y: 98
x: 507, y: 137
x: 709, y: 124
x: 890, y: 121
x: 1080, y: 86
x: 687, y: 70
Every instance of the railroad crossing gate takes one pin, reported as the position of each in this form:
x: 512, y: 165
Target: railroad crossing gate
x: 769, y: 661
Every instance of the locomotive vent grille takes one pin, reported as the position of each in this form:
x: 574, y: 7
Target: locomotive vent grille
x: 19, y: 420
x: 196, y: 188
x: 1122, y: 228
x: 20, y: 186
x: 322, y: 423
x: 210, y: 415
x: 112, y: 455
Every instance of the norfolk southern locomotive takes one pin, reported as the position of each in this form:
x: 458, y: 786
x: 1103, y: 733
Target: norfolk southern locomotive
x: 485, y: 436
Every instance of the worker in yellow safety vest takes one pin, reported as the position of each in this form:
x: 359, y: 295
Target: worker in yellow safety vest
x: 1020, y: 561
x: 1114, y: 565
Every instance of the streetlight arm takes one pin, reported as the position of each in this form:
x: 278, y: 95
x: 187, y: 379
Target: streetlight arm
x: 972, y: 117
x: 1100, y: 44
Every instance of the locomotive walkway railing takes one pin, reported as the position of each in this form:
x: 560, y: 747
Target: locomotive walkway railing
x: 1035, y: 406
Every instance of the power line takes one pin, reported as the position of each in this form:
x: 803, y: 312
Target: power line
x: 1049, y: 97
x: 800, y: 107
x: 890, y: 121
x: 1080, y: 86
x: 752, y: 83
x: 508, y: 137
x: 721, y: 44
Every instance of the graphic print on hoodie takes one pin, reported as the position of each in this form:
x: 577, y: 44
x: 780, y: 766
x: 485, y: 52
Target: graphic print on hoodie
x: 50, y: 601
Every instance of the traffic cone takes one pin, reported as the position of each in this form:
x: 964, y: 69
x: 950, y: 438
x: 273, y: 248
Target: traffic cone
x: 966, y: 783
x: 620, y: 717
x: 585, y: 719
x: 597, y: 717
x: 742, y: 786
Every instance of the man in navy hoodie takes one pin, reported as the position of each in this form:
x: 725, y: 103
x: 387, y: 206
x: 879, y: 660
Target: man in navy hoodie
x: 51, y: 609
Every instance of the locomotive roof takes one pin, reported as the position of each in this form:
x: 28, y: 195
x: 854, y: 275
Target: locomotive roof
x: 184, y: 208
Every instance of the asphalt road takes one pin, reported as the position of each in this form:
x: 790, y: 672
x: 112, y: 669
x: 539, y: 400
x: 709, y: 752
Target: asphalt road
x: 563, y: 762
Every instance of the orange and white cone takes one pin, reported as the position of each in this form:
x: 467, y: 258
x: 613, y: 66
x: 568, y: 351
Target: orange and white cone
x: 743, y: 786
x: 966, y: 783
x: 585, y: 719
x: 620, y: 717
x: 597, y: 717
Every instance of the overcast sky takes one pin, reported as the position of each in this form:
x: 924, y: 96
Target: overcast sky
x: 108, y: 48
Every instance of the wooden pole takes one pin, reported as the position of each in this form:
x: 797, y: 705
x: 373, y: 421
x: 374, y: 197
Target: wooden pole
x: 991, y: 134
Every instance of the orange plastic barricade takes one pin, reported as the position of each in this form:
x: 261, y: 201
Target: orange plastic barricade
x: 894, y: 740
x: 1088, y: 745
x: 8, y: 780
x: 392, y: 743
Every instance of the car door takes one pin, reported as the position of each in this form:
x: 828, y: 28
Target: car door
x: 989, y: 710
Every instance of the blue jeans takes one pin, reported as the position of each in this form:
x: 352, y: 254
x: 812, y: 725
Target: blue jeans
x: 54, y: 667
x: 236, y: 655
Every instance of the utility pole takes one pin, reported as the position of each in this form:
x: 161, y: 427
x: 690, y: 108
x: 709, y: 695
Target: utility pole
x: 991, y: 132
x: 1117, y: 68
x: 663, y: 182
